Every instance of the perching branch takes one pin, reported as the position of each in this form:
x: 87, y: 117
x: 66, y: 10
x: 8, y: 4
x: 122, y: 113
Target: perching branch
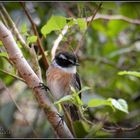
x: 36, y: 33
x: 32, y: 80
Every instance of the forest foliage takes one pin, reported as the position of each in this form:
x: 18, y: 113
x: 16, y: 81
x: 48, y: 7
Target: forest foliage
x: 109, y: 67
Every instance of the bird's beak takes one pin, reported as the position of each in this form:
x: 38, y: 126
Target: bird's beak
x: 77, y: 64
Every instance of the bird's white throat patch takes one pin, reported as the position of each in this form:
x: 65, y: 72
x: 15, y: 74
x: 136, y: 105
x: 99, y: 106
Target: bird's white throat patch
x: 71, y: 69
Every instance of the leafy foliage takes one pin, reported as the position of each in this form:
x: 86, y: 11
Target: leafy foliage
x: 54, y: 25
x: 119, y: 104
x: 31, y: 39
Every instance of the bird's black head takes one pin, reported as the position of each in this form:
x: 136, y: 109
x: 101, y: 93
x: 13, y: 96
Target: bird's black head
x: 65, y: 59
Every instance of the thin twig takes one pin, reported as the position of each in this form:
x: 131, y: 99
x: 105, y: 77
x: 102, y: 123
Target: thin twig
x: 120, y: 129
x: 114, y: 17
x: 36, y: 33
x: 58, y: 40
x: 14, y: 76
x: 3, y: 19
x: 102, y: 60
x: 88, y: 24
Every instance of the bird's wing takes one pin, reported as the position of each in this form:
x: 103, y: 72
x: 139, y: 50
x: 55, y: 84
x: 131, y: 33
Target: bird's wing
x: 77, y: 82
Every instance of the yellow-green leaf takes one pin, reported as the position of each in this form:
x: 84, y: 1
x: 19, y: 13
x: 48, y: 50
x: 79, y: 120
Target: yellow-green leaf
x: 134, y: 73
x: 1, y: 44
x: 82, y: 23
x: 64, y: 99
x: 3, y: 54
x: 98, y: 102
x: 119, y: 104
x: 23, y: 28
x: 55, y: 23
x: 32, y: 39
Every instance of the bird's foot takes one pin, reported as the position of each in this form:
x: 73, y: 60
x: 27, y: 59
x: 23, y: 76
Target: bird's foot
x: 43, y: 86
x: 61, y: 122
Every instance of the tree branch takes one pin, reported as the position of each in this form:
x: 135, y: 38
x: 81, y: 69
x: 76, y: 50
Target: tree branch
x: 32, y: 80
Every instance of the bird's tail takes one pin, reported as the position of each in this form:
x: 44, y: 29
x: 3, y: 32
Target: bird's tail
x: 74, y: 112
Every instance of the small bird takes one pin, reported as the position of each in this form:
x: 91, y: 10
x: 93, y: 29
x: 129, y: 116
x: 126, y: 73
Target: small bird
x: 61, y: 75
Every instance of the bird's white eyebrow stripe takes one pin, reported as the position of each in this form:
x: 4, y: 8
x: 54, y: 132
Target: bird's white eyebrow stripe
x: 71, y: 61
x: 62, y: 56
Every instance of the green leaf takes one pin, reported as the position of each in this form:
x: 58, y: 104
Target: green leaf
x: 3, y: 54
x: 64, y: 99
x: 23, y: 28
x: 98, y: 102
x: 124, y: 105
x: 32, y: 39
x: 82, y: 23
x: 119, y: 104
x: 84, y: 89
x: 74, y: 97
x: 55, y: 23
x: 1, y: 44
x: 71, y: 21
x: 78, y: 101
x: 134, y: 73
x: 116, y: 26
x: 84, y: 128
x: 19, y: 45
